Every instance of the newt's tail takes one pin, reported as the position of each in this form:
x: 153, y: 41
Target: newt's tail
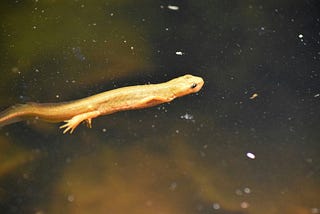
x: 12, y: 114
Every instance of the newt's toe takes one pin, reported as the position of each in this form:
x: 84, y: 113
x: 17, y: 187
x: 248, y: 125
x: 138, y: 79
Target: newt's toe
x: 67, y: 127
x: 89, y: 122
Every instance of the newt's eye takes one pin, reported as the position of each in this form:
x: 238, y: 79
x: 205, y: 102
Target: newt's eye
x: 193, y: 85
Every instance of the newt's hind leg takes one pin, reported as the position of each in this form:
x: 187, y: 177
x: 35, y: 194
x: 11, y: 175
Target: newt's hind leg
x: 76, y: 120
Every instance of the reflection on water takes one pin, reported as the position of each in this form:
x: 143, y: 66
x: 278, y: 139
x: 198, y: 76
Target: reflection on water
x: 246, y: 143
x: 13, y: 157
x: 175, y: 178
x: 136, y: 179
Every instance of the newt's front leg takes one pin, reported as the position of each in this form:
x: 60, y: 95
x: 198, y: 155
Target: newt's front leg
x: 76, y: 120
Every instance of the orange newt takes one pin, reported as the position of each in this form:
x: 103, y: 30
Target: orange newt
x: 121, y: 99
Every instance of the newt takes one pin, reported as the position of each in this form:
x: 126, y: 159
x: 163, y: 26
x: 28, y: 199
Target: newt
x: 120, y: 99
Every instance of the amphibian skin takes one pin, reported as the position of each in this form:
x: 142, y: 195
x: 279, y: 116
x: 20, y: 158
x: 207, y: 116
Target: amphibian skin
x: 121, y: 99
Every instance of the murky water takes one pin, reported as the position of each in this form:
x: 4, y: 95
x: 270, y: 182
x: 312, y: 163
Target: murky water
x: 248, y: 142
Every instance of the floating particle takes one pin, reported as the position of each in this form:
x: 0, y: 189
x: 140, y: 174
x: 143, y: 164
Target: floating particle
x: 15, y: 70
x: 70, y: 198
x: 180, y: 53
x: 300, y: 36
x: 173, y: 7
x: 216, y: 206
x: 244, y: 205
x: 173, y: 186
x: 187, y: 116
x: 251, y: 155
x: 239, y: 192
x: 315, y: 210
x: 253, y: 96
x: 247, y: 190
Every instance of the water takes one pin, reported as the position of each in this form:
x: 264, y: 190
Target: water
x: 246, y: 143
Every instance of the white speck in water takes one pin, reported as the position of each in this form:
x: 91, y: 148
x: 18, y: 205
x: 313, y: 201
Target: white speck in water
x: 177, y: 131
x: 251, y: 155
x: 216, y: 206
x: 173, y: 186
x: 104, y: 130
x: 111, y: 14
x: 57, y: 96
x: 317, y: 95
x: 173, y: 7
x: 131, y: 47
x: 179, y: 53
x: 70, y: 198
x: 239, y: 192
x: 244, y: 205
x: 300, y: 36
x: 253, y: 96
x: 202, y: 154
x: 247, y: 190
x: 187, y: 116
x: 315, y: 210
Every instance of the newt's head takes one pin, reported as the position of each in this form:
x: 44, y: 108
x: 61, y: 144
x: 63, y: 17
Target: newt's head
x: 186, y: 84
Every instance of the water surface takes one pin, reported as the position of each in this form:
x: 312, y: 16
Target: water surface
x: 248, y: 142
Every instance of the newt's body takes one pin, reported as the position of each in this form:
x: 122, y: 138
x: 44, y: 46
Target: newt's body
x: 126, y: 98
